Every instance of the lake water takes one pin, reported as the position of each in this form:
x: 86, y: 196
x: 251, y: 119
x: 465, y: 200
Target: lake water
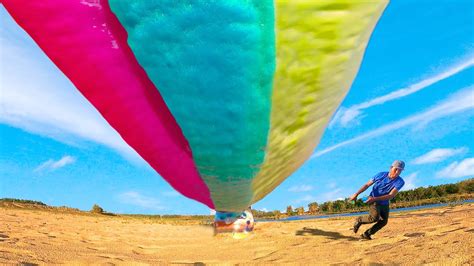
x: 305, y: 217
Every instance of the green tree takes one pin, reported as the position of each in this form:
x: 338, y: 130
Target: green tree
x: 276, y: 214
x: 418, y: 193
x: 440, y: 190
x: 338, y: 205
x: 313, y: 208
x: 451, y: 189
x: 432, y: 192
x: 467, y: 186
x: 97, y: 209
x: 324, y: 207
x: 299, y: 210
x: 327, y: 206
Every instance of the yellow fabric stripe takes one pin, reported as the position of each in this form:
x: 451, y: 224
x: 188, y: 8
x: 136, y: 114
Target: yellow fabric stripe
x: 319, y: 49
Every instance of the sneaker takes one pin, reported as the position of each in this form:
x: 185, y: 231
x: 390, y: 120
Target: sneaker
x: 365, y: 236
x: 356, y: 226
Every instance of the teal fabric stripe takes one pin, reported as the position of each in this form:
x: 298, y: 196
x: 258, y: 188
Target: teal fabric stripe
x: 213, y: 63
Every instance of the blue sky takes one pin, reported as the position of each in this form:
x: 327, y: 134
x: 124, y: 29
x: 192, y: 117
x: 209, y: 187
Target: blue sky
x: 413, y: 100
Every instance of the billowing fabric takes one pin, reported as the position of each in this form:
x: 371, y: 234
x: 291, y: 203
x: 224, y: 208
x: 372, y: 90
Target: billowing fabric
x: 224, y: 99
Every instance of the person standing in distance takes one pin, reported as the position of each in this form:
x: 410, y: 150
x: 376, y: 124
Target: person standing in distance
x: 386, y: 186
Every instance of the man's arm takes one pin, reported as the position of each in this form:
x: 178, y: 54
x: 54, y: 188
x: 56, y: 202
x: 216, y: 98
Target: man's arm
x: 389, y: 196
x: 362, y: 189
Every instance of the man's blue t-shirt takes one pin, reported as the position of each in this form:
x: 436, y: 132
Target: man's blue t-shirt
x: 384, y: 184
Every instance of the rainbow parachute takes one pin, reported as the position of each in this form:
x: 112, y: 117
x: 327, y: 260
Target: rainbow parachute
x: 224, y: 99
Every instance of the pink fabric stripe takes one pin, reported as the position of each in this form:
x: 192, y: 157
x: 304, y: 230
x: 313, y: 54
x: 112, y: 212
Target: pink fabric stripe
x: 87, y: 42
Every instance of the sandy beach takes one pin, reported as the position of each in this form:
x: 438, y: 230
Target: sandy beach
x: 437, y: 236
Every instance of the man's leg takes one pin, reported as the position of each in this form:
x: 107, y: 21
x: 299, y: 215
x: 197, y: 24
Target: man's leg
x: 373, y: 217
x: 383, y: 211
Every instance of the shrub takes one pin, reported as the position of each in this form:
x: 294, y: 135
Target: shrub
x: 97, y: 209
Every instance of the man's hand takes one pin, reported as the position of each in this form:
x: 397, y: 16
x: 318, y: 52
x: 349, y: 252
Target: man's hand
x: 353, y: 197
x: 389, y: 196
x: 362, y: 189
x: 370, y: 200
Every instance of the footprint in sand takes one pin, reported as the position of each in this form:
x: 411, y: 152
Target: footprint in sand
x: 106, y: 256
x: 263, y: 253
x: 457, y: 229
x: 148, y: 250
x: 13, y: 240
x: 97, y: 248
x: 22, y: 263
x: 3, y: 237
x: 414, y: 234
x: 188, y: 263
x: 107, y: 263
x: 298, y: 244
x: 381, y: 248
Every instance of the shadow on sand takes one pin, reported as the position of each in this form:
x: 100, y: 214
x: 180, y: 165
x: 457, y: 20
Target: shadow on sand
x: 328, y: 234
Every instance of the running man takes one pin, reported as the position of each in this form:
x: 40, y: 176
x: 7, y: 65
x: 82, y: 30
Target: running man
x: 386, y: 186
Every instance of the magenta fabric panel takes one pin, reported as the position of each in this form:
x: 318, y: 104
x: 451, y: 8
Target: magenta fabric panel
x: 88, y: 44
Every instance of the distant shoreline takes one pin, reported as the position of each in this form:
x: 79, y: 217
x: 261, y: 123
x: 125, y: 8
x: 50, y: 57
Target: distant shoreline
x: 349, y: 214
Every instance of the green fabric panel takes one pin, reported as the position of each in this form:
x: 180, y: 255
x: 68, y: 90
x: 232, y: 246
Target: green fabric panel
x: 213, y: 63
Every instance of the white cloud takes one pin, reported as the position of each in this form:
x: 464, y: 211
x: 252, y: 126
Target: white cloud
x: 51, y: 165
x: 350, y: 115
x: 263, y: 209
x: 353, y: 114
x: 332, y: 195
x: 300, y: 188
x: 305, y: 199
x: 136, y: 199
x: 438, y: 155
x: 346, y: 116
x: 410, y: 181
x: 458, y: 169
x: 36, y: 96
x: 459, y: 102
